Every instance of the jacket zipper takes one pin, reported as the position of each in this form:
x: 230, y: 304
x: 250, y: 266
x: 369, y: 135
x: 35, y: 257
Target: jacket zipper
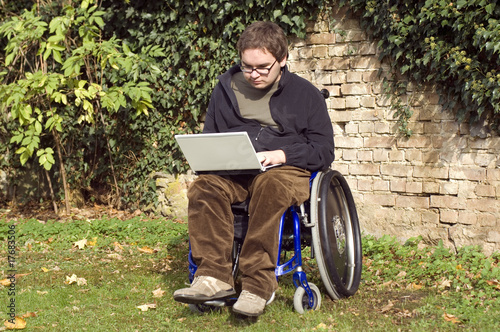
x: 258, y: 134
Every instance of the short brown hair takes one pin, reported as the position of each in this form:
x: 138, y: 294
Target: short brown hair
x: 264, y: 35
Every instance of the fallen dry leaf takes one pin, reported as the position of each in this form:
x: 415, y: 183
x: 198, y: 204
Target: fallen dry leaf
x: 18, y: 324
x: 494, y: 283
x: 118, y: 246
x: 387, y: 307
x: 158, y: 292
x: 147, y: 250
x: 451, y: 318
x: 93, y: 242
x: 44, y: 269
x: 29, y: 314
x: 80, y: 244
x: 5, y: 282
x: 115, y: 256
x: 74, y: 279
x: 41, y: 292
x: 146, y: 307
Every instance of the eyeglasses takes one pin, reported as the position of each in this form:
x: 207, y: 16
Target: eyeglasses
x: 260, y: 71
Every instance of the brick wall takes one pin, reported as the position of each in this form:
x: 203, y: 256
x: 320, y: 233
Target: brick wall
x: 442, y: 183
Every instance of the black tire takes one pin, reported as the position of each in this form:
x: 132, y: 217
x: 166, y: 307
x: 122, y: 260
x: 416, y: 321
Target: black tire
x: 336, y: 236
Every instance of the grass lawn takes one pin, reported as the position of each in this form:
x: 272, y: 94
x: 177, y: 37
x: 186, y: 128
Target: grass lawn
x: 109, y: 274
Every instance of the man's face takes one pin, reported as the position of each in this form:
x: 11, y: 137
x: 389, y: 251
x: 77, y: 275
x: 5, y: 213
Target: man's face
x: 257, y: 58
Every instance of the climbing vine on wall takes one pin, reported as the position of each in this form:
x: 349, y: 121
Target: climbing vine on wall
x: 452, y: 44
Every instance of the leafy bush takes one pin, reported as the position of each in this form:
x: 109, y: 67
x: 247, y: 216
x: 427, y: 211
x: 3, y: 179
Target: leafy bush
x: 101, y: 63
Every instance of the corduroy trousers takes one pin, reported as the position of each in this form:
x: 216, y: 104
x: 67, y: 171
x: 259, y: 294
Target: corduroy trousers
x: 211, y: 223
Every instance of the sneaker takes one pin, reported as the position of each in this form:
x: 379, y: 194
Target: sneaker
x: 204, y: 289
x: 249, y: 304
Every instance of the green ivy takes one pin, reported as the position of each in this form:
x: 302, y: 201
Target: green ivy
x: 452, y: 44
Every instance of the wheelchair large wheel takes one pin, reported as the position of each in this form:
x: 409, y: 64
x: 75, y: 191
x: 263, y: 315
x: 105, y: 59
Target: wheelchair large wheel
x: 336, y: 237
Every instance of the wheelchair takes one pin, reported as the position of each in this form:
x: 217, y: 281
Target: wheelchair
x: 328, y: 224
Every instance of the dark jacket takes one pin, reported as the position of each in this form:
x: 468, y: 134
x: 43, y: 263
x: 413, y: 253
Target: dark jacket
x: 305, y: 131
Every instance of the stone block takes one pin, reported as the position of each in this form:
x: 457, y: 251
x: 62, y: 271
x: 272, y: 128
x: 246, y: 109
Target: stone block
x: 448, y: 216
x: 468, y: 173
x: 364, y: 169
x: 355, y: 89
x: 450, y: 202
x: 430, y: 172
x: 396, y: 170
x: 415, y: 202
x: 321, y: 38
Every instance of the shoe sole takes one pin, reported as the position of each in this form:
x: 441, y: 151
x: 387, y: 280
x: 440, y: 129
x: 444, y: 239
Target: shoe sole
x: 249, y: 314
x: 198, y: 299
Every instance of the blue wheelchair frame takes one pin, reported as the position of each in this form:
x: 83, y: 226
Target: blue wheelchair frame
x: 291, y: 265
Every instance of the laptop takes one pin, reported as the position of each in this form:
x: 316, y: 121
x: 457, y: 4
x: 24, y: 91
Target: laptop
x: 220, y: 152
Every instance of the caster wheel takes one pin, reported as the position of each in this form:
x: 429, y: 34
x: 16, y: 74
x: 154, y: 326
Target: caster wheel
x: 301, y: 300
x: 203, y: 308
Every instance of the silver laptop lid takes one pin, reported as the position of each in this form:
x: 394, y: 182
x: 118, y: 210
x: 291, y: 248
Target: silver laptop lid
x: 219, y: 152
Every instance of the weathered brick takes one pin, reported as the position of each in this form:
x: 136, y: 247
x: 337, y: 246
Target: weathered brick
x: 396, y: 155
x: 486, y: 159
x: 339, y: 104
x: 320, y: 52
x: 430, y: 187
x: 339, y: 77
x: 380, y: 155
x: 448, y: 188
x: 365, y: 155
x: 379, y: 142
x: 321, y: 38
x: 493, y: 174
x: 371, y: 76
x: 351, y: 128
x: 450, y: 202
x: 484, y: 205
x: 380, y: 185
x: 352, y: 102
x: 355, y: 89
x: 367, y: 101
x: 354, y: 76
x: 414, y: 187
x: 430, y: 172
x: 414, y: 142
x: 485, y: 190
x: 414, y: 156
x: 349, y: 154
x: 396, y: 170
x: 332, y: 64
x: 464, y: 173
x: 398, y: 186
x: 493, y: 236
x: 415, y: 202
x: 305, y: 53
x: 338, y: 50
x: 368, y: 48
x: 323, y: 77
x: 364, y: 62
x: 467, y: 217
x: 448, y: 216
x: 364, y: 169
x: 383, y: 128
x: 382, y: 200
x: 366, y: 127
x: 348, y: 142
x: 365, y: 185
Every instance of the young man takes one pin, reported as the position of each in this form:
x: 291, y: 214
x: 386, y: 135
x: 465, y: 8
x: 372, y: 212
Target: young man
x: 288, y: 123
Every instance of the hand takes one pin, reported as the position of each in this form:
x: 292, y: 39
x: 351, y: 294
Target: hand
x: 271, y: 157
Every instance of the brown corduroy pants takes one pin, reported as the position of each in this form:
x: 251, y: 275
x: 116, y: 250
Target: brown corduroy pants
x: 211, y: 223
